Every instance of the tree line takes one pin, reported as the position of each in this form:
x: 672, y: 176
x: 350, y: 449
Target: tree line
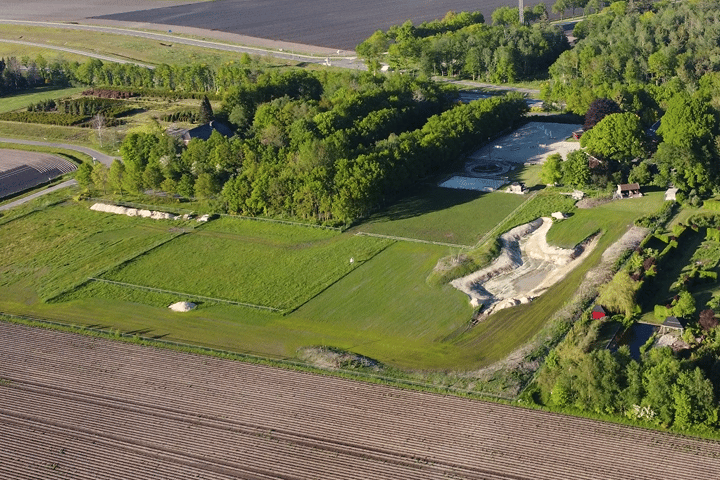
x: 332, y: 160
x: 503, y: 52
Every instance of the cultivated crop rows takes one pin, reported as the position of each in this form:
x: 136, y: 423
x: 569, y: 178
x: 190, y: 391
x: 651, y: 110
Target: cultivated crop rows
x: 78, y: 407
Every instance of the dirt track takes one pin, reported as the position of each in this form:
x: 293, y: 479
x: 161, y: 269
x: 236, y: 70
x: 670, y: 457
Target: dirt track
x: 81, y: 408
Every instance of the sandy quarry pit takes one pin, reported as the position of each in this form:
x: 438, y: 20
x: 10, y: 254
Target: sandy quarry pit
x: 526, y: 268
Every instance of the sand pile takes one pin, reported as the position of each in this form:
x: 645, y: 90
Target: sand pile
x: 133, y: 212
x: 527, y: 267
x: 182, y: 306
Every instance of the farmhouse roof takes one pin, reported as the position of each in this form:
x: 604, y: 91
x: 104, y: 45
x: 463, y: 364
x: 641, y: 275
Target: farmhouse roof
x: 673, y: 322
x: 598, y: 309
x: 628, y: 187
x: 203, y: 132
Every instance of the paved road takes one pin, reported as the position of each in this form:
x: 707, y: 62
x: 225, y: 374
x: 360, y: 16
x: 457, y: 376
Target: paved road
x: 99, y: 156
x: 35, y: 195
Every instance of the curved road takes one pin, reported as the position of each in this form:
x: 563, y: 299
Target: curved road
x: 319, y: 55
x: 20, y: 201
x: 99, y: 156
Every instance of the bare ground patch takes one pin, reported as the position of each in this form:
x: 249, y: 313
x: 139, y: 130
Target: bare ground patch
x: 526, y: 267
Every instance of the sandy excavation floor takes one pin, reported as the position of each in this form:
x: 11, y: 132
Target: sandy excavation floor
x: 526, y: 267
x: 530, y: 144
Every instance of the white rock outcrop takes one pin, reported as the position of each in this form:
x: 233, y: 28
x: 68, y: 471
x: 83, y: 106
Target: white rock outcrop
x: 182, y: 306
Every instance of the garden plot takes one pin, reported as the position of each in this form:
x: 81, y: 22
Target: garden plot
x: 526, y: 268
x: 487, y: 168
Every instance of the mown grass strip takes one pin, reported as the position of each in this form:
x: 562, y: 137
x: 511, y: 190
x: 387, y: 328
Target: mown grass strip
x: 406, y: 239
x: 284, y: 222
x: 188, y: 295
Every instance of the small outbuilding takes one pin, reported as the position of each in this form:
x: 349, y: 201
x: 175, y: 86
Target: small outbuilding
x: 672, y: 324
x: 517, y: 187
x: 628, y: 190
x: 598, y: 312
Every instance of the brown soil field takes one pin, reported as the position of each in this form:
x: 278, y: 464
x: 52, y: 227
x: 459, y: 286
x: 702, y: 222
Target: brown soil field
x: 338, y: 24
x: 21, y: 170
x: 79, y: 407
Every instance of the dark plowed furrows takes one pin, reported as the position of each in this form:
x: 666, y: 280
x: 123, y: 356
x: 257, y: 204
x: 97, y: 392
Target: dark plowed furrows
x: 131, y: 405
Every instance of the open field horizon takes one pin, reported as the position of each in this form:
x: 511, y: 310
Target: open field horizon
x: 341, y: 24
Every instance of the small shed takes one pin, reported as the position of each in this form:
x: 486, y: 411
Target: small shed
x: 598, y: 312
x: 517, y: 187
x: 671, y: 194
x: 672, y: 324
x: 628, y: 190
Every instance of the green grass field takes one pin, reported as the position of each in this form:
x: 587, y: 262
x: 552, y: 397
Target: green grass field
x: 122, y: 46
x: 259, y: 263
x: 444, y: 215
x: 49, y: 251
x: 380, y: 306
x: 613, y: 218
x: 22, y: 100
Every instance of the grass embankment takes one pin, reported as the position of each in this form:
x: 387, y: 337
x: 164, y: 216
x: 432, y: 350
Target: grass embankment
x: 22, y: 100
x: 126, y: 47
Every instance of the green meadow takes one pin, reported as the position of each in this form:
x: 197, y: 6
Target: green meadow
x: 266, y: 264
x: 379, y: 305
x: 22, y: 100
x: 444, y: 215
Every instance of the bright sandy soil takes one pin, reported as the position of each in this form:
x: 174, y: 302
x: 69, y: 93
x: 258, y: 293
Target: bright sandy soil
x: 526, y: 267
x: 532, y: 143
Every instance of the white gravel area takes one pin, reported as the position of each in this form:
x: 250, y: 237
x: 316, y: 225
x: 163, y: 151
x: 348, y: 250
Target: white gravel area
x: 525, y: 269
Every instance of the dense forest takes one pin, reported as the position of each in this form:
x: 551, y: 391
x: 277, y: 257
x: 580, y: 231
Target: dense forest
x: 323, y: 154
x: 504, y: 52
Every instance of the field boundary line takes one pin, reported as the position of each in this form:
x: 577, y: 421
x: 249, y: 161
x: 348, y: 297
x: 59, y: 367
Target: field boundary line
x: 414, y: 240
x: 284, y: 222
x: 182, y: 294
x: 503, y: 221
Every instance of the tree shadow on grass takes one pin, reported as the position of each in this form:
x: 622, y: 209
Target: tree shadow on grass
x: 425, y: 199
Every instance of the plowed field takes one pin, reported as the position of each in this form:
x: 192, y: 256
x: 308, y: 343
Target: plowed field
x: 78, y: 407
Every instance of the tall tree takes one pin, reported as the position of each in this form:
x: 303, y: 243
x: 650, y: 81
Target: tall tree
x: 618, y: 137
x: 599, y: 109
x: 206, y: 111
